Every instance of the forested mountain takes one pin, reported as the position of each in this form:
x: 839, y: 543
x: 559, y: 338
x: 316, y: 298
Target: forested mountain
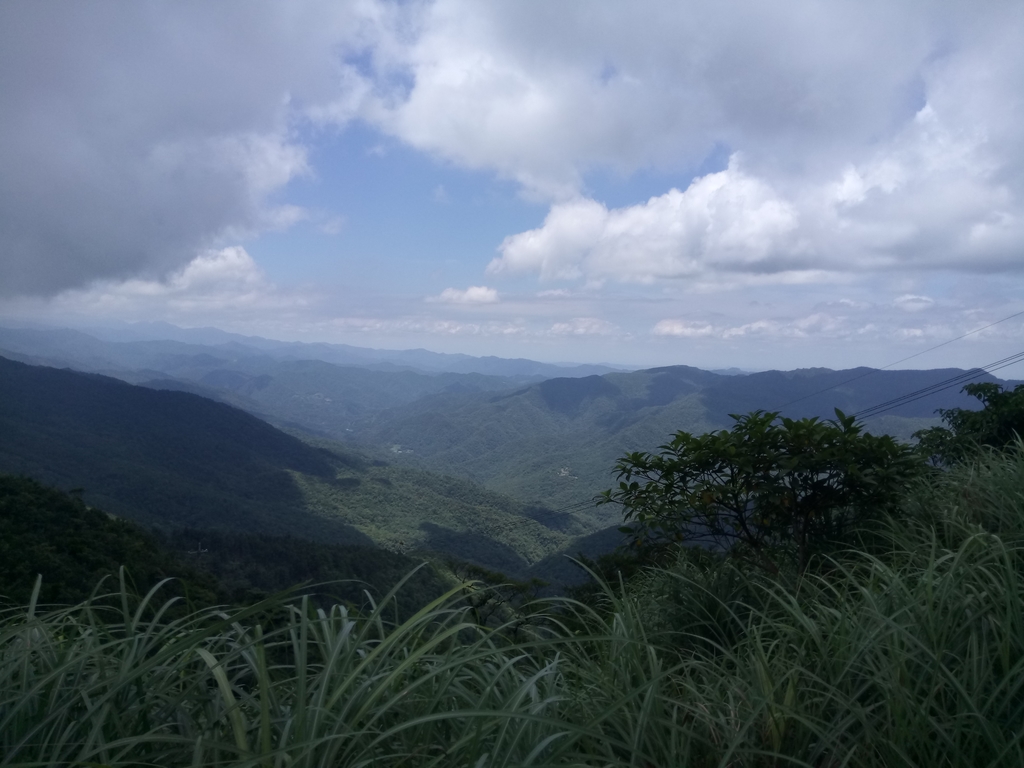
x: 552, y: 441
x: 549, y: 444
x: 44, y: 532
x: 53, y: 534
x: 164, y: 458
x: 174, y: 459
x: 558, y: 439
x: 312, y: 393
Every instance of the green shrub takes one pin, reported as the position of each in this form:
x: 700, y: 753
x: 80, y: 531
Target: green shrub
x: 772, y: 490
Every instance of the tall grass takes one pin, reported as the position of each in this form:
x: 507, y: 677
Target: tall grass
x: 313, y: 688
x: 912, y: 655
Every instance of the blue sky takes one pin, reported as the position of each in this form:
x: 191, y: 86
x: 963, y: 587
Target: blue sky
x: 720, y: 184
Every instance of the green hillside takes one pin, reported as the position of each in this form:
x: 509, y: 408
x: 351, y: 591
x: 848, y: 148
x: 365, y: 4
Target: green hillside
x: 906, y: 649
x: 550, y: 442
x: 408, y: 510
x: 557, y: 440
x: 160, y: 458
x: 331, y: 399
x: 176, y: 460
x: 141, y: 345
x: 44, y: 532
x: 325, y: 396
x: 541, y: 444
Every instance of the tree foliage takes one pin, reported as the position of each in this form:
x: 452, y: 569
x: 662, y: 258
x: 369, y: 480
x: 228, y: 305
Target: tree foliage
x: 774, y: 490
x: 49, y: 533
x: 999, y: 422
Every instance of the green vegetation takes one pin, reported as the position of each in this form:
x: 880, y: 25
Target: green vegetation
x: 160, y: 458
x: 903, y: 646
x: 774, y: 490
x: 409, y: 510
x: 555, y: 440
x: 284, y: 385
x: 248, y: 567
x: 175, y: 460
x: 551, y: 443
x: 997, y: 424
x: 44, y: 532
x: 910, y: 656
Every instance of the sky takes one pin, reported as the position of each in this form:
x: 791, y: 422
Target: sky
x: 748, y: 184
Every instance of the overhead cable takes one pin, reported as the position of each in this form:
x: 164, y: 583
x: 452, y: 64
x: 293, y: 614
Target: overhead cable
x: 903, y: 360
x: 910, y: 397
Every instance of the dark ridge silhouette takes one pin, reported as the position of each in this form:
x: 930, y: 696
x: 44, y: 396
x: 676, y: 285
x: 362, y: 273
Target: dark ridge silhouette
x: 45, y: 532
x: 159, y: 457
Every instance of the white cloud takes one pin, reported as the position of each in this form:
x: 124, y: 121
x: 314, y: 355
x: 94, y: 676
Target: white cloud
x: 912, y: 303
x: 683, y: 329
x: 543, y: 96
x: 584, y: 326
x: 134, y: 137
x: 872, y: 136
x: 476, y: 294
x: 878, y: 152
x: 844, y: 322
x: 216, y: 286
x: 333, y: 225
x: 401, y: 326
x: 726, y: 221
x: 933, y: 199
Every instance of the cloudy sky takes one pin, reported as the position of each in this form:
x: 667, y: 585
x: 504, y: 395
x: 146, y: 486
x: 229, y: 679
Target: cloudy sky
x: 712, y: 183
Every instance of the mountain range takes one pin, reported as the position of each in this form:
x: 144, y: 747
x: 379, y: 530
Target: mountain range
x: 339, y: 354
x: 215, y: 430
x: 557, y: 440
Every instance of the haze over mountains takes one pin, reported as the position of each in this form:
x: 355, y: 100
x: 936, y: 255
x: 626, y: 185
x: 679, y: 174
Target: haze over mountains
x: 340, y: 354
x: 501, y: 469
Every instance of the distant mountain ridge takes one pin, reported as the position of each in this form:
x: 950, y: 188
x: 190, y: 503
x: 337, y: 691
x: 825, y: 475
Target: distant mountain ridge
x: 345, y: 354
x: 544, y: 440
x: 558, y: 439
x: 282, y: 382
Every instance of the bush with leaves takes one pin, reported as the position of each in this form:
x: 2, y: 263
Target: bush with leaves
x: 772, y: 490
x: 999, y: 422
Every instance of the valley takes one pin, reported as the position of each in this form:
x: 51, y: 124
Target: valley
x: 498, y: 470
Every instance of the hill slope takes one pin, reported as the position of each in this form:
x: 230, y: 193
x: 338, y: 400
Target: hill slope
x: 322, y: 396
x: 49, y: 533
x: 55, y: 535
x: 558, y: 440
x: 174, y: 459
x: 161, y: 458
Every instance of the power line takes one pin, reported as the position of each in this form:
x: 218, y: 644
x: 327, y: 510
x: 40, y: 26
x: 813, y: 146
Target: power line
x: 903, y: 360
x: 551, y: 514
x: 910, y: 397
x: 950, y: 341
x: 945, y: 384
